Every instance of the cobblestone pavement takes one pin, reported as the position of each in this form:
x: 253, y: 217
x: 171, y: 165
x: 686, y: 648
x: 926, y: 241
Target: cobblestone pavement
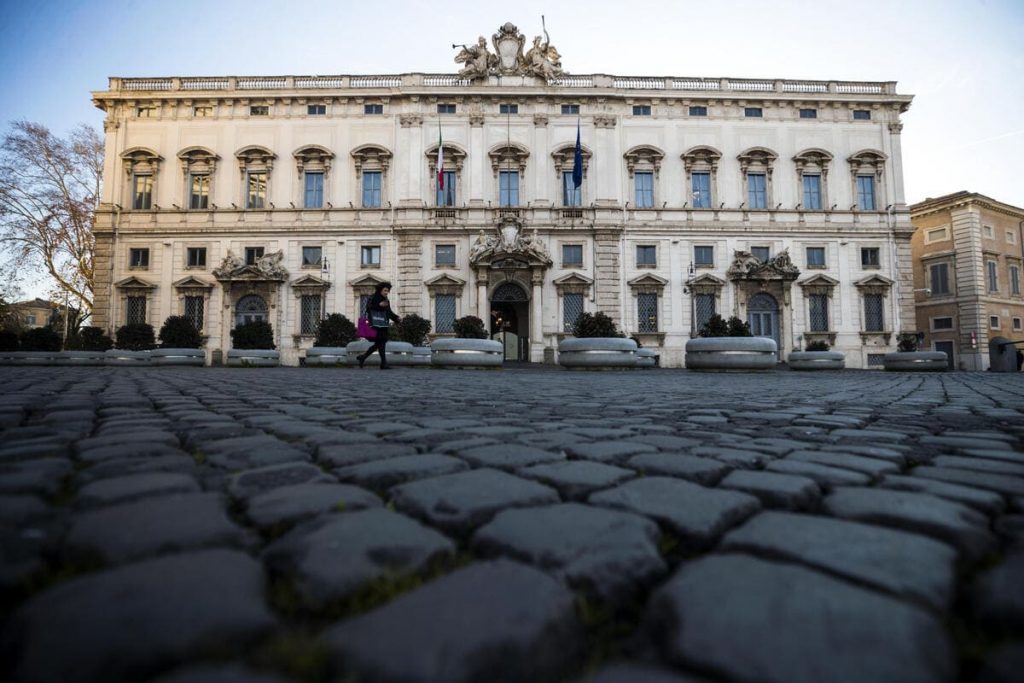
x: 201, y: 525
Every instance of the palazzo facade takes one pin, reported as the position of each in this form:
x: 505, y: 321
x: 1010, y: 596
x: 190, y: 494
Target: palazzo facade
x: 286, y: 198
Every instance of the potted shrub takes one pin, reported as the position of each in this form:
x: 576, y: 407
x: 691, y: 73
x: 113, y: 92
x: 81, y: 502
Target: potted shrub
x: 413, y: 330
x: 597, y: 343
x: 729, y: 345
x: 333, y: 333
x: 469, y: 348
x: 817, y: 356
x: 253, y: 345
x: 180, y: 343
x: 132, y: 345
x: 908, y: 359
x: 38, y: 346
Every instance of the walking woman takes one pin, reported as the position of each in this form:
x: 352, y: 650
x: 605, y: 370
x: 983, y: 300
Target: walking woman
x: 381, y: 315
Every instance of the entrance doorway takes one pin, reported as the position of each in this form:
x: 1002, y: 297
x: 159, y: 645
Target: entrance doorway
x: 510, y: 320
x: 250, y: 309
x: 947, y: 348
x: 763, y: 316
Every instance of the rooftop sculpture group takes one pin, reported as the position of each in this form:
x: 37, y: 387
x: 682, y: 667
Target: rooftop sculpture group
x: 542, y: 60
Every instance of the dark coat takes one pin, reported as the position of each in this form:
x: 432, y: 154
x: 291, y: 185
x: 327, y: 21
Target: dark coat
x: 380, y: 304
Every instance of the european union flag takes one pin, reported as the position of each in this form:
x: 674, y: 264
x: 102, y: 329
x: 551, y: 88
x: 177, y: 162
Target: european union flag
x: 577, y: 160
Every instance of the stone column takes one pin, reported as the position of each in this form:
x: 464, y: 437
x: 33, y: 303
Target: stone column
x: 607, y: 272
x: 410, y: 277
x: 481, y: 297
x: 536, y: 313
x: 896, y: 165
x: 103, y: 254
x: 969, y: 274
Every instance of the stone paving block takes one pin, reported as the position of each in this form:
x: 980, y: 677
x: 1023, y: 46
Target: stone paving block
x: 979, y: 465
x: 500, y: 622
x: 897, y: 562
x: 964, y: 442
x: 610, y: 452
x: 251, y: 482
x: 1006, y: 485
x: 42, y: 476
x: 383, y: 474
x: 16, y: 510
x: 249, y: 452
x: 998, y: 594
x: 508, y: 456
x: 869, y: 466
x: 169, y: 523
x: 218, y: 673
x: 666, y: 442
x: 785, y: 491
x: 142, y: 442
x: 291, y: 504
x: 827, y: 477
x: 722, y: 614
x: 458, y: 502
x: 575, y: 479
x: 894, y: 453
x: 13, y: 451
x: 1002, y: 665
x: 334, y: 556
x: 701, y: 470
x: 737, y: 457
x: 990, y: 454
x: 697, y: 514
x: 987, y: 502
x: 344, y: 455
x: 180, y: 463
x: 127, y: 623
x: 640, y: 673
x: 608, y: 553
x: 773, y: 446
x: 454, y: 445
x: 879, y: 435
x: 957, y: 524
x: 552, y: 441
x: 132, y: 487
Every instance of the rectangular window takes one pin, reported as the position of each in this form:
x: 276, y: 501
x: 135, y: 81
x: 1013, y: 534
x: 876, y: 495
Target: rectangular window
x: 194, y: 311
x: 312, y: 257
x: 571, y: 195
x: 993, y: 322
x: 259, y: 110
x: 1016, y: 324
x: 812, y: 192
x: 818, y: 312
x: 142, y: 192
x: 508, y: 188
x: 1015, y: 280
x: 874, y: 313
x: 30, y: 319
x: 371, y: 189
x: 1011, y: 237
x: 316, y: 109
x: 644, y: 182
x: 145, y: 112
x: 861, y: 115
x: 508, y: 108
x: 373, y: 109
x: 641, y: 110
x: 446, y: 109
x: 570, y: 109
x: 866, y: 192
x: 310, y: 305
x: 370, y: 256
x: 869, y: 257
x: 199, y: 191
x: 202, y: 111
x: 752, y: 112
x: 988, y: 232
x: 646, y: 256
x: 757, y: 197
x: 815, y: 257
x: 704, y: 256
x: 939, y: 279
x: 572, y: 307
x: 138, y: 258
x: 647, y: 312
x: 942, y: 323
x: 993, y: 279
x: 135, y: 310
x: 252, y: 254
x: 700, y: 190
x: 256, y: 197
x: 444, y: 254
x: 314, y: 195
x: 444, y: 313
x: 762, y: 254
x: 195, y: 257
x: 808, y: 113
x: 704, y: 308
x: 572, y: 255
x: 446, y: 196
x: 698, y: 111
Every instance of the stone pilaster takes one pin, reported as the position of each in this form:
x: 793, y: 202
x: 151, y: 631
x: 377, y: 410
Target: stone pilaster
x: 905, y: 311
x: 103, y: 255
x: 969, y: 272
x: 410, y: 274
x: 608, y: 273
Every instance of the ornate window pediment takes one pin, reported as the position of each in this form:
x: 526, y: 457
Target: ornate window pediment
x: 867, y: 161
x: 141, y: 160
x: 445, y: 284
x: 371, y: 158
x: 573, y: 283
x: 198, y: 160
x: 307, y: 282
x: 648, y: 283
x: 643, y: 158
x: 757, y: 159
x: 565, y: 156
x: 454, y: 157
x: 701, y: 158
x: 874, y: 284
x: 365, y: 284
x: 313, y: 158
x: 192, y: 282
x: 819, y: 284
x: 255, y: 157
x: 706, y: 283
x: 134, y: 283
x: 510, y: 156
x: 813, y: 160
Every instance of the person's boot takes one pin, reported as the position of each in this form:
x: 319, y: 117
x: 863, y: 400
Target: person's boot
x: 362, y: 359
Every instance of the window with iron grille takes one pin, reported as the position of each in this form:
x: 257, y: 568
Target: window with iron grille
x: 646, y: 256
x: 572, y: 307
x: 647, y: 312
x: 818, y: 305
x: 572, y: 255
x: 364, y: 305
x: 259, y: 110
x: 135, y: 310
x: 704, y: 308
x: 993, y: 322
x: 310, y: 304
x: 138, y: 258
x: 194, y: 311
x: 444, y: 313
x: 874, y: 314
x: 876, y: 360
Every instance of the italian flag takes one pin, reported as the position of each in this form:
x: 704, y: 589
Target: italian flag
x: 440, y: 158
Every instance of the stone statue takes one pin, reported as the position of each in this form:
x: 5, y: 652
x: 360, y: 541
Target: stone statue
x: 230, y: 264
x: 478, y: 60
x: 481, y: 245
x: 542, y: 60
x: 270, y: 264
x: 535, y: 247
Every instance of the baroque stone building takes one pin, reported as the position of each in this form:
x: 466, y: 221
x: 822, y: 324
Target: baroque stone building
x: 287, y: 197
x: 968, y: 258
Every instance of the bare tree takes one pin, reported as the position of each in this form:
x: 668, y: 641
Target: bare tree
x: 49, y: 192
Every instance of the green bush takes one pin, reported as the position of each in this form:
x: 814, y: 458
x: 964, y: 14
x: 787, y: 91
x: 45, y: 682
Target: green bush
x: 413, y: 329
x: 595, y: 325
x: 257, y: 334
x: 40, y: 339
x: 178, y: 332
x: 907, y: 342
x: 89, y: 339
x: 135, y: 337
x: 8, y: 340
x: 715, y: 327
x: 739, y: 328
x: 470, y: 327
x: 335, y: 330
x: 818, y: 345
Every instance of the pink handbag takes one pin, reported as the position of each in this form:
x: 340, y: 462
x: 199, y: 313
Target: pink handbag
x: 365, y: 330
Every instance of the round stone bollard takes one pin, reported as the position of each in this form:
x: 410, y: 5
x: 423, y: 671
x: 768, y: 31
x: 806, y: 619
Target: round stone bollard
x: 125, y: 357
x: 253, y: 358
x: 33, y: 357
x: 917, y: 361
x: 421, y: 356
x: 646, y: 358
x: 84, y: 358
x: 597, y: 352
x: 397, y: 352
x: 319, y: 356
x: 176, y: 356
x: 817, y: 360
x: 467, y: 353
x: 731, y: 353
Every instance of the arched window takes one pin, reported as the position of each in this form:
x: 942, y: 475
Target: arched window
x: 198, y: 166
x: 372, y: 163
x: 812, y: 179
x: 313, y: 163
x: 866, y: 167
x: 508, y: 162
x: 565, y: 164
x: 255, y: 164
x: 141, y: 166
x: 756, y: 166
x: 454, y: 156
x: 701, y: 165
x: 643, y: 164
